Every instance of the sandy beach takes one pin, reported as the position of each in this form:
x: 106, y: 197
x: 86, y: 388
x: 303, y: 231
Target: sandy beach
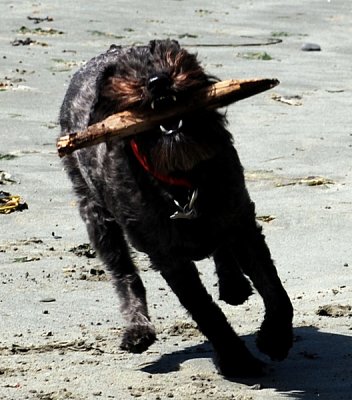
x: 60, y: 324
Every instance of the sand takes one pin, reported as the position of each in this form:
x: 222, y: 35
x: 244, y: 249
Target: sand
x: 60, y: 324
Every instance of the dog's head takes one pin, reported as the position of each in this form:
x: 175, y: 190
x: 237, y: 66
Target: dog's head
x: 156, y: 77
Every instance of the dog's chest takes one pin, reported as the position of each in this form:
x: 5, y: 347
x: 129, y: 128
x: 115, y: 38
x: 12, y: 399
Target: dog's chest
x: 168, y: 220
x: 191, y: 219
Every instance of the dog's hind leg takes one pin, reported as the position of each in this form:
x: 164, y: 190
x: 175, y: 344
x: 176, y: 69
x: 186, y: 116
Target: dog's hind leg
x: 234, y: 287
x: 107, y: 238
x: 275, y: 335
x: 233, y: 358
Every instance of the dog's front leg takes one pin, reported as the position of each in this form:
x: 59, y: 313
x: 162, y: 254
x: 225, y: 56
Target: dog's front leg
x: 275, y: 336
x: 140, y: 333
x: 107, y: 238
x: 232, y: 356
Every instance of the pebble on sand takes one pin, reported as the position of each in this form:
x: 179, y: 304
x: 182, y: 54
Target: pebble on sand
x: 310, y: 47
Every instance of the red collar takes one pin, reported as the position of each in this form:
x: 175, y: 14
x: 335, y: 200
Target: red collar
x: 164, y: 178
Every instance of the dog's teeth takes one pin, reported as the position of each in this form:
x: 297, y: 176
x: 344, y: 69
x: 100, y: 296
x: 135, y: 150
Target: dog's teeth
x: 163, y: 130
x: 152, y: 105
x: 171, y: 131
x: 174, y: 98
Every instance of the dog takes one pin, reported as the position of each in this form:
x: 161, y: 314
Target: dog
x: 176, y: 193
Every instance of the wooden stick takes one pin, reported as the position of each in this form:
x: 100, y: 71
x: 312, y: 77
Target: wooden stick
x: 129, y: 123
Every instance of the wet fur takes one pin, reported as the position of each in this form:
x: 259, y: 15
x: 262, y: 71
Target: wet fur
x: 122, y: 204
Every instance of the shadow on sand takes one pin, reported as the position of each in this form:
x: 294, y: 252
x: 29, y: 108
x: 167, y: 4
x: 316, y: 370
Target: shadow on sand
x: 318, y: 364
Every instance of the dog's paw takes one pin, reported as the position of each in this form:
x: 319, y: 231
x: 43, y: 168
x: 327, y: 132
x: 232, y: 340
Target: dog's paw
x: 275, y: 339
x: 235, y: 293
x: 245, y: 366
x: 137, y: 338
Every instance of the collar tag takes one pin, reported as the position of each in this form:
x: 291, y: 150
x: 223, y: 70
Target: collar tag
x: 188, y: 211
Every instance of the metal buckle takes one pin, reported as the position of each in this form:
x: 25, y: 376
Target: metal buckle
x: 188, y: 211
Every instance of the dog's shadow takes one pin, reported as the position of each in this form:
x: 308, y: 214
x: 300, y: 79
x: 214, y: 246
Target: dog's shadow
x: 171, y: 362
x: 319, y: 364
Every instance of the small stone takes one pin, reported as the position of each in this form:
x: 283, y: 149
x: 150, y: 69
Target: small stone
x: 310, y: 47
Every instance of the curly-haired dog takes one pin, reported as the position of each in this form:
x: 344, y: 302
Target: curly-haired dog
x: 176, y: 193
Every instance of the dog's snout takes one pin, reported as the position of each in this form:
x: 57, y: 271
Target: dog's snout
x: 159, y: 83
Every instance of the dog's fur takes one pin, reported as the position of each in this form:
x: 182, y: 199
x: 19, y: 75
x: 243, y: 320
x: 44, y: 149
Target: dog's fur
x: 124, y: 201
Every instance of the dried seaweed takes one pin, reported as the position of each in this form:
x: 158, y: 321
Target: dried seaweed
x: 10, y: 203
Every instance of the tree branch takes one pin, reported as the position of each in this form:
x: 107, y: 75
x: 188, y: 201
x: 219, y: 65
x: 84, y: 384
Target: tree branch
x: 129, y: 123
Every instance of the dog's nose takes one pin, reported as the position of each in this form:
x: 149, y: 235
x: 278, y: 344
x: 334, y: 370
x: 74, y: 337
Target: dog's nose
x: 159, y: 84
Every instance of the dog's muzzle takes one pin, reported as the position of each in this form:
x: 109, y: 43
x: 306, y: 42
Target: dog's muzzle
x: 159, y: 86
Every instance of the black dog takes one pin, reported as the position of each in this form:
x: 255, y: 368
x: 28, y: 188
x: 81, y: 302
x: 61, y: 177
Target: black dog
x: 176, y: 193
